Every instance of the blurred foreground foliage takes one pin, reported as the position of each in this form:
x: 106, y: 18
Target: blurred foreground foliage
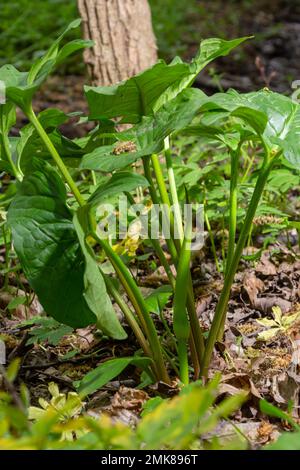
x: 183, y: 422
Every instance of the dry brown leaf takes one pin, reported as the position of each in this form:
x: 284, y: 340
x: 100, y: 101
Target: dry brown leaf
x: 265, y: 266
x: 129, y: 399
x: 266, y: 304
x: 203, y: 304
x: 21, y: 312
x: 253, y: 286
x: 126, y: 405
x: 265, y: 432
x: 239, y: 381
x: 285, y: 388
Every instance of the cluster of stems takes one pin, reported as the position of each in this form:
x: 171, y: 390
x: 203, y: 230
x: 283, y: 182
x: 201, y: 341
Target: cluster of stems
x: 187, y: 330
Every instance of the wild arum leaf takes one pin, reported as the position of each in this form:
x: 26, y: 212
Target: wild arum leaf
x: 107, y: 371
x: 49, y: 251
x: 148, y: 91
x: 231, y: 140
x: 283, y: 126
x: 234, y: 104
x: 123, y: 181
x: 276, y: 117
x: 30, y: 143
x: 17, y: 89
x: 21, y: 86
x: 149, y: 134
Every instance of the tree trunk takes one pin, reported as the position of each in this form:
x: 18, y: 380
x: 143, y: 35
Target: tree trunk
x: 123, y: 37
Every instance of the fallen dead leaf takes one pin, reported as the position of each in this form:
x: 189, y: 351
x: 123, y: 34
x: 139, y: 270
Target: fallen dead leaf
x: 265, y: 266
x: 236, y: 382
x: 253, y: 286
x: 126, y: 405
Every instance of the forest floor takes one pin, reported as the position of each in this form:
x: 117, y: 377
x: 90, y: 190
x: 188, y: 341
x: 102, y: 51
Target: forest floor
x: 262, y: 362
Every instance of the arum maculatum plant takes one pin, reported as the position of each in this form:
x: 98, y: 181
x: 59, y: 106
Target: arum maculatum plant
x: 57, y: 184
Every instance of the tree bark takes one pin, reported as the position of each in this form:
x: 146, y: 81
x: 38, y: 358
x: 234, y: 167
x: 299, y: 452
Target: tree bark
x: 123, y: 36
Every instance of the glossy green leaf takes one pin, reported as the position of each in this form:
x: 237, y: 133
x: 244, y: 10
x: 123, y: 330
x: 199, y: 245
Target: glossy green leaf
x: 30, y: 144
x: 44, y: 65
x: 149, y: 134
x: 274, y: 116
x: 17, y: 88
x: 238, y: 105
x: 51, y: 256
x: 147, y: 92
x: 21, y: 86
x: 72, y: 47
x: 230, y: 139
x: 124, y: 181
x: 107, y: 371
x: 283, y: 125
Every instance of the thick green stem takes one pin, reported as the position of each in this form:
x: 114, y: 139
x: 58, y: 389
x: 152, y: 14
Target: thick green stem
x: 181, y: 323
x: 173, y: 189
x: 196, y: 331
x: 155, y: 243
x: 196, y: 338
x: 233, y: 204
x: 56, y: 157
x: 155, y: 200
x: 233, y: 201
x: 113, y: 291
x: 212, y: 241
x: 139, y: 305
x: 194, y: 321
x: 133, y: 292
x: 221, y: 309
x: 164, y: 262
x: 183, y: 361
x: 94, y: 179
x: 165, y: 200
